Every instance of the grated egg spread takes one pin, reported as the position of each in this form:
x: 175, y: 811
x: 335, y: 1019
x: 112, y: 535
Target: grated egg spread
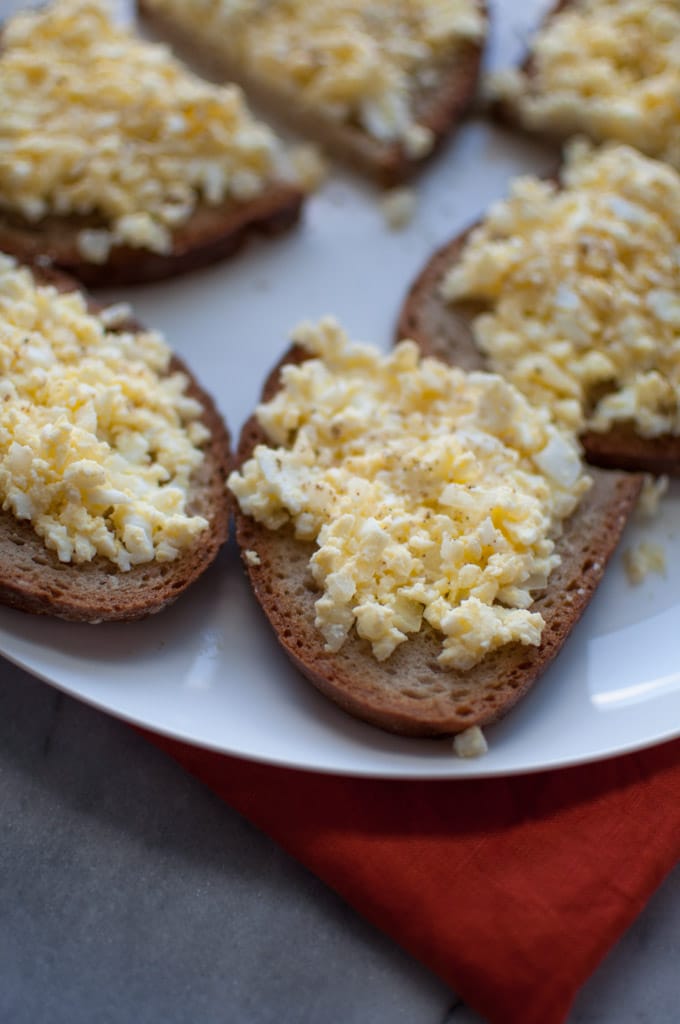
x: 98, y: 441
x: 433, y: 496
x: 582, y: 289
x: 609, y: 68
x: 359, y: 61
x: 96, y: 122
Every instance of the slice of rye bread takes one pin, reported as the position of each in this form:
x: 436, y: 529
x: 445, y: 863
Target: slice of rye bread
x: 444, y: 329
x: 34, y: 580
x: 409, y: 693
x: 439, y: 107
x: 211, y: 234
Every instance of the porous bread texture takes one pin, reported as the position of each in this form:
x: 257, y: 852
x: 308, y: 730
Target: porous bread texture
x: 439, y: 107
x: 444, y: 329
x: 409, y: 693
x: 212, y: 233
x: 34, y: 580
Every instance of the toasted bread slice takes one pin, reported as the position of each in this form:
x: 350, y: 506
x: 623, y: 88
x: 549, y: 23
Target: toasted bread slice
x: 444, y: 329
x: 212, y: 233
x: 439, y: 107
x: 410, y: 693
x: 34, y: 580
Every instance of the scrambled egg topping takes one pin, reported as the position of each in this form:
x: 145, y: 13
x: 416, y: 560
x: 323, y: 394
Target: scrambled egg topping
x: 583, y: 288
x: 609, y: 68
x: 433, y: 496
x: 96, y: 122
x: 97, y: 440
x: 352, y: 60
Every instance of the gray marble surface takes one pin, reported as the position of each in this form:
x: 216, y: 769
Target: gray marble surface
x: 129, y: 893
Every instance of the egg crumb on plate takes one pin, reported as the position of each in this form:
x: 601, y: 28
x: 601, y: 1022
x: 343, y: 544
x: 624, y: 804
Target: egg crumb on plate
x: 103, y: 126
x: 645, y: 558
x: 98, y: 436
x: 434, y: 496
x: 579, y: 284
x: 470, y: 743
x: 649, y: 502
x: 398, y: 207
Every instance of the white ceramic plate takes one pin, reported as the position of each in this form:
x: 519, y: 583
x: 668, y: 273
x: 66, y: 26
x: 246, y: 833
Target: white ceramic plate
x: 208, y: 670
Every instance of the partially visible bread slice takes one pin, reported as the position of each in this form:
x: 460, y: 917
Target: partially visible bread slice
x: 505, y: 111
x: 34, y: 580
x: 409, y: 693
x: 439, y: 107
x: 508, y: 113
x: 444, y: 329
x: 212, y: 233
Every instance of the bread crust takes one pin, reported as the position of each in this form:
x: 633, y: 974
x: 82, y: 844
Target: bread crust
x: 212, y: 233
x: 409, y: 693
x: 34, y: 580
x: 444, y: 329
x: 439, y: 108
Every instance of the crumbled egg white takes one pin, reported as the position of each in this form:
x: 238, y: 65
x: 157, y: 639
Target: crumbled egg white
x: 252, y: 557
x: 398, y: 207
x: 470, y: 743
x: 98, y: 441
x: 358, y: 61
x: 96, y: 123
x: 645, y: 558
x: 581, y: 285
x: 653, y: 490
x: 433, y: 496
x: 608, y: 68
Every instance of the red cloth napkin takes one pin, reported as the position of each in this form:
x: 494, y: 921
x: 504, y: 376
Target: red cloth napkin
x: 512, y: 890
